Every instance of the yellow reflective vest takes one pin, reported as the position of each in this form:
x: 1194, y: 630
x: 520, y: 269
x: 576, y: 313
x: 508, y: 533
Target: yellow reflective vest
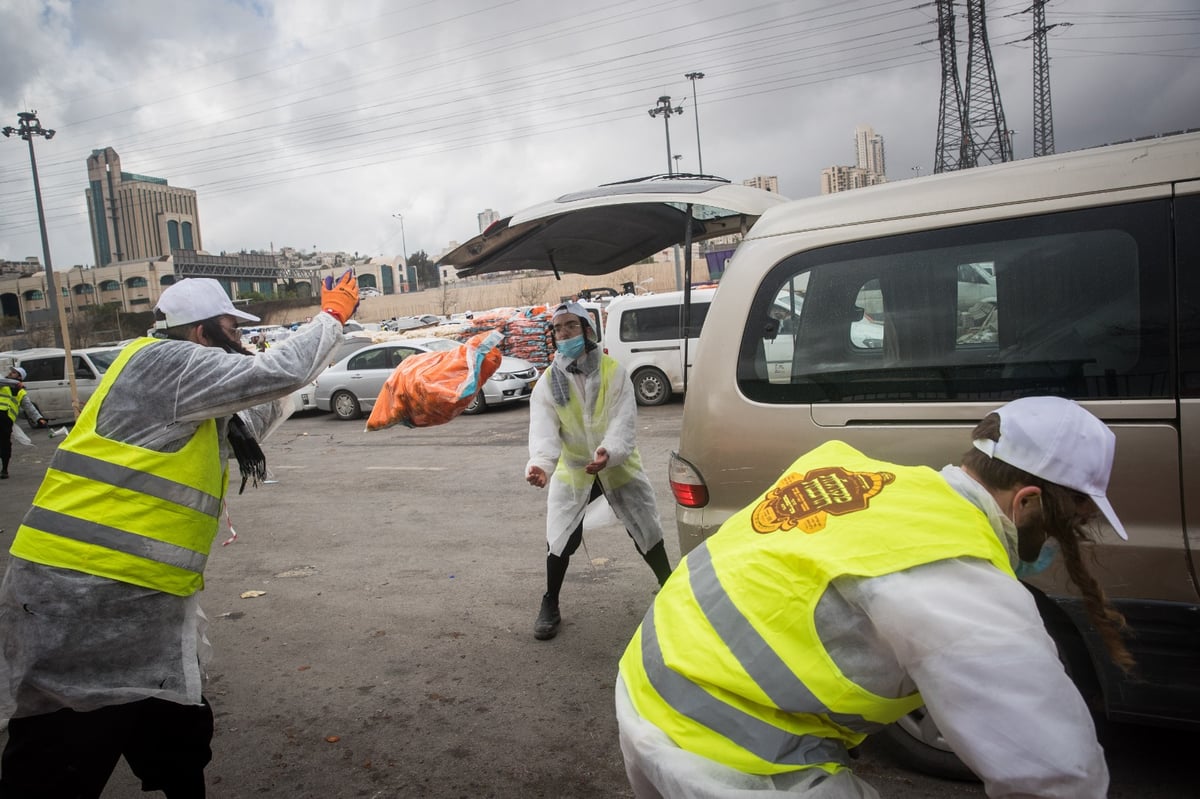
x: 595, y: 424
x: 125, y: 512
x: 728, y: 661
x: 10, y: 401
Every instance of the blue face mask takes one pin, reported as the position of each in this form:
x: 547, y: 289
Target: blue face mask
x: 1045, y: 558
x: 571, y: 348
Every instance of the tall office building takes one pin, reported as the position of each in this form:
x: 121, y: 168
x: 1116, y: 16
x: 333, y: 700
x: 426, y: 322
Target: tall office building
x: 136, y: 216
x: 869, y: 170
x: 869, y: 147
x: 843, y: 178
x: 486, y: 217
x: 764, y: 182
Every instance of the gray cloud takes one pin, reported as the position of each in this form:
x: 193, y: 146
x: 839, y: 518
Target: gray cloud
x: 306, y: 122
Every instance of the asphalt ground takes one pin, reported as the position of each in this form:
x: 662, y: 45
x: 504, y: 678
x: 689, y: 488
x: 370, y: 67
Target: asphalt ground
x: 391, y: 654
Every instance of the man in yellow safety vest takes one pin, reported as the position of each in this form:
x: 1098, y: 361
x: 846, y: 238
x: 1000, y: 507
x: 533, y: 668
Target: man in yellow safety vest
x: 102, y: 645
x: 14, y: 399
x: 853, y: 591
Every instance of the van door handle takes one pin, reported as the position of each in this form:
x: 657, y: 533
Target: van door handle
x: 655, y: 349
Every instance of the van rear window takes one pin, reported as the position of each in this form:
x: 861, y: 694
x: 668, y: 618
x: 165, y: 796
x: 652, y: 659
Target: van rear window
x: 660, y: 322
x: 1075, y: 304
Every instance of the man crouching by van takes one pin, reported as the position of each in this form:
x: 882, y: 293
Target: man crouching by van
x: 854, y: 591
x: 582, y: 442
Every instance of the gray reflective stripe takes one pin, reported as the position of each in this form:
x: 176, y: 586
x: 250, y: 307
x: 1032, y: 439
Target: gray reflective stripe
x: 757, y: 658
x: 142, y: 482
x: 118, y: 540
x: 755, y: 735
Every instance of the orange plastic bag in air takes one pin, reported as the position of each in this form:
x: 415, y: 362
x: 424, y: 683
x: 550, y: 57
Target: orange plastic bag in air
x: 431, y: 388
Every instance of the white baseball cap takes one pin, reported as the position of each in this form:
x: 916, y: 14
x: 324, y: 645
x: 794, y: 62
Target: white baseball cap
x: 19, y: 371
x: 195, y: 299
x: 573, y: 308
x: 1057, y: 440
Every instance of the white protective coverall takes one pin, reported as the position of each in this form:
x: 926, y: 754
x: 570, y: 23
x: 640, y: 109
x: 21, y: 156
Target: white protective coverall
x: 969, y: 638
x: 75, y: 640
x: 633, y: 503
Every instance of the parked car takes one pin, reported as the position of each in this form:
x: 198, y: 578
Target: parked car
x: 350, y: 387
x: 645, y: 335
x: 305, y: 398
x: 1071, y: 275
x: 49, y: 384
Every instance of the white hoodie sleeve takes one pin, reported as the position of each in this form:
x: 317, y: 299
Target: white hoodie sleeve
x: 972, y: 640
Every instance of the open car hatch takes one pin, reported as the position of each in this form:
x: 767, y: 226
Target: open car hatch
x: 610, y: 227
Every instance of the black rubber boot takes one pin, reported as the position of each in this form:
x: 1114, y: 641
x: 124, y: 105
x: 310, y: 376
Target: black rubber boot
x: 657, y: 560
x: 548, y: 619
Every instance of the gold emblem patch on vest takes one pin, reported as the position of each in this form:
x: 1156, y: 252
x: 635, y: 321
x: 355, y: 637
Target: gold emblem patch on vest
x: 807, y: 501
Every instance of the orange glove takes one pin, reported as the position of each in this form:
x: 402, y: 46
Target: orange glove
x: 340, y: 299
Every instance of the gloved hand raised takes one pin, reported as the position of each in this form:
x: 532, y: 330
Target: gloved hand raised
x: 340, y: 299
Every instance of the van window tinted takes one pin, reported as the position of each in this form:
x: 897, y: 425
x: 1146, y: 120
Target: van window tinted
x: 660, y: 322
x: 50, y: 368
x: 82, y: 370
x: 1187, y: 231
x: 1074, y: 304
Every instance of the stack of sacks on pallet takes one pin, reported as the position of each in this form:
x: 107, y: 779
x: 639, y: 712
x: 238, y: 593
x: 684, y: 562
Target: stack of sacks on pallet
x: 526, y: 332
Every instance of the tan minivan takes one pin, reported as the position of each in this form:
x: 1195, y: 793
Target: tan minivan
x: 895, y: 317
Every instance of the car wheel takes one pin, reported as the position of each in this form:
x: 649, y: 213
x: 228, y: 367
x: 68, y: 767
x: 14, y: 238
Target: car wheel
x: 650, y: 387
x: 478, y: 404
x: 345, y: 405
x: 916, y: 743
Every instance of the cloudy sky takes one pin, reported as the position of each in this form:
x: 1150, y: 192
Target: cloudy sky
x: 311, y: 123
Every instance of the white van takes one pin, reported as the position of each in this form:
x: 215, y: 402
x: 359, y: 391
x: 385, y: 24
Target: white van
x: 645, y: 335
x: 49, y: 386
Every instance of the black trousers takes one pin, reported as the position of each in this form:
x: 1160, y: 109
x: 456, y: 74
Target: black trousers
x: 556, y: 565
x: 71, y: 755
x: 6, y: 426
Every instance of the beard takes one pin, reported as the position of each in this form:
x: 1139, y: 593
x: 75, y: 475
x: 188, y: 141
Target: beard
x: 1031, y: 535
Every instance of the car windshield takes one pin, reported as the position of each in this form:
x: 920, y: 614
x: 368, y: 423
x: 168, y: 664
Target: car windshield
x: 104, y: 359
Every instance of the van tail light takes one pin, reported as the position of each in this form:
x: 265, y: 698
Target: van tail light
x: 686, y: 483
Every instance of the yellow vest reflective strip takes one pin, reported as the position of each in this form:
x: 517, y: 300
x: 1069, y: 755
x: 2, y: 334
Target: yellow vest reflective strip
x: 117, y: 540
x: 757, y: 658
x: 597, y: 422
x: 10, y: 401
x: 766, y: 741
x: 125, y: 512
x: 103, y: 471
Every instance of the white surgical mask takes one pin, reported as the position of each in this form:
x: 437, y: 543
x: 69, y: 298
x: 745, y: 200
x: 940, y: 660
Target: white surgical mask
x: 571, y: 348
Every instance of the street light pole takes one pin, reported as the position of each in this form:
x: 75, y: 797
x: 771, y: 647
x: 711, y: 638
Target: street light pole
x: 404, y: 245
x: 665, y: 109
x: 28, y: 126
x: 693, y: 77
